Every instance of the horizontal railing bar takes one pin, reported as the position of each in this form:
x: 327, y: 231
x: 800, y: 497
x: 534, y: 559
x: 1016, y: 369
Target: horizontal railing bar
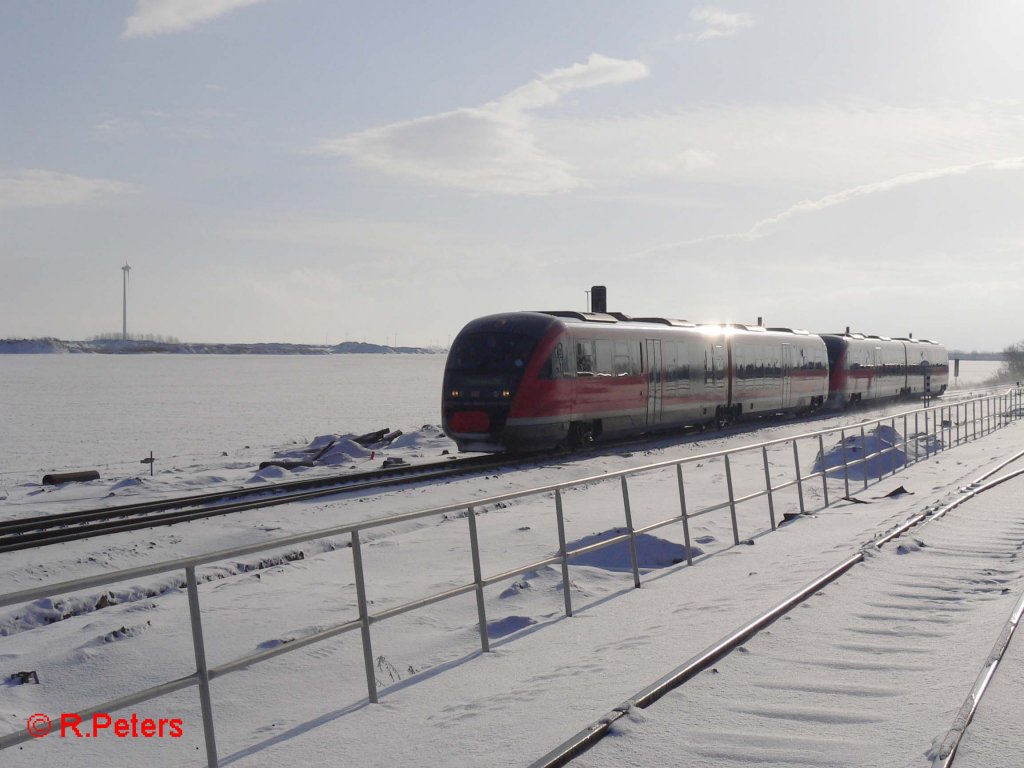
x: 709, y: 510
x: 423, y: 602
x: 127, y: 574
x: 111, y: 706
x: 750, y: 496
x: 596, y: 546
x: 712, y: 508
x: 285, y: 647
x: 659, y: 524
x: 499, y: 577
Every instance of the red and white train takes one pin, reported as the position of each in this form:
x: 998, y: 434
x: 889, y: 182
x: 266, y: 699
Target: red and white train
x: 527, y: 381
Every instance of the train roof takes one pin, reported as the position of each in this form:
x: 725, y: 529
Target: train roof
x: 905, y: 339
x: 917, y: 341
x: 619, y: 317
x: 615, y: 317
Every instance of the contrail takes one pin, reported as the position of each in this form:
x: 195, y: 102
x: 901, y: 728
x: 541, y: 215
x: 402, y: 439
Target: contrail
x: 810, y: 206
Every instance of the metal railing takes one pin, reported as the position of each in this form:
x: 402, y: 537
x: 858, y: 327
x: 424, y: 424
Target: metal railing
x: 934, y: 429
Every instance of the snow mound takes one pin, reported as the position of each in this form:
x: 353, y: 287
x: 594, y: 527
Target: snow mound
x: 855, y: 448
x: 508, y: 625
x: 651, y: 552
x: 268, y: 473
x: 344, y: 449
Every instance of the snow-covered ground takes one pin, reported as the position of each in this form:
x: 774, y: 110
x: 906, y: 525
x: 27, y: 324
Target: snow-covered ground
x: 819, y: 689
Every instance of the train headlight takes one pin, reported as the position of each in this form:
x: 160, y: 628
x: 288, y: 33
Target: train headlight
x: 506, y: 393
x: 456, y: 394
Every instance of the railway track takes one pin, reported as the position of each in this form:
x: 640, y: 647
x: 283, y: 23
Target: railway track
x: 818, y: 691
x: 42, y: 530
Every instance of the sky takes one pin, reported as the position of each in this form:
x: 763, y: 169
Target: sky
x: 309, y: 170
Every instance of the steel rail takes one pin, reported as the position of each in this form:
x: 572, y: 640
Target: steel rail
x: 21, y: 525
x: 59, y: 531
x: 16, y: 534
x: 593, y: 733
x: 946, y: 753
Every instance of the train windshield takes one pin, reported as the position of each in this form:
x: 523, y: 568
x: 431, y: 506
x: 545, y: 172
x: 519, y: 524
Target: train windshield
x: 490, y: 353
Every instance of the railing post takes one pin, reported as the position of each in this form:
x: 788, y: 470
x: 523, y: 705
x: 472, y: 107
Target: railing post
x: 799, y: 480
x: 478, y: 579
x: 864, y: 466
x: 768, y: 486
x: 364, y: 617
x: 917, y: 437
x: 202, y: 672
x: 562, y: 551
x: 732, y: 501
x: 824, y: 469
x: 686, y: 519
x: 906, y: 453
x: 846, y: 466
x: 881, y: 453
x: 632, y: 536
x: 927, y: 435
x: 894, y: 447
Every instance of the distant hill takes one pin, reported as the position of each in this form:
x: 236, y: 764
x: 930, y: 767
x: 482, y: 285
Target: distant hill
x: 132, y: 347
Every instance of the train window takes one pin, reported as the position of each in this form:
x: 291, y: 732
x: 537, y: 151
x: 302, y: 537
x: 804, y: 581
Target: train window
x: 490, y: 352
x: 555, y: 366
x: 623, y: 360
x: 718, y: 366
x: 683, y: 369
x: 670, y: 360
x: 585, y: 358
x: 604, y: 357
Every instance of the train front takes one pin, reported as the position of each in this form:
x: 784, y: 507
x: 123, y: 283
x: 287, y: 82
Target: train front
x: 486, y: 366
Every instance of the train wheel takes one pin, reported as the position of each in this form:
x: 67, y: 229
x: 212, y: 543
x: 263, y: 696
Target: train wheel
x: 581, y: 434
x: 721, y: 418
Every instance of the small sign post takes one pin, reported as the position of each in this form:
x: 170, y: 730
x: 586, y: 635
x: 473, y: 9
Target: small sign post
x: 927, y: 383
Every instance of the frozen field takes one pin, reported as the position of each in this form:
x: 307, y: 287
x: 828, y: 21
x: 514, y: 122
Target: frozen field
x: 66, y: 411
x: 61, y: 412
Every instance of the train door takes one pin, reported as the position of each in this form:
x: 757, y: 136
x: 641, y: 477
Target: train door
x: 654, y: 383
x: 875, y: 381
x: 787, y: 375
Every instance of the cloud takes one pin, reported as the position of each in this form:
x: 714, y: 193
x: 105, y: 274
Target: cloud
x: 846, y: 195
x: 757, y: 230
x: 693, y: 159
x: 491, y: 148
x: 820, y: 146
x: 40, y: 189
x: 163, y: 17
x: 718, y: 22
x: 117, y: 128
